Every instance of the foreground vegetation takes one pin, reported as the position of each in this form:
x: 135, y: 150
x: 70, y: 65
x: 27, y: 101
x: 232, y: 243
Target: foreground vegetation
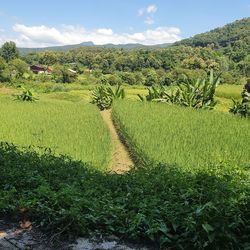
x: 166, y: 133
x: 74, y: 129
x: 164, y: 205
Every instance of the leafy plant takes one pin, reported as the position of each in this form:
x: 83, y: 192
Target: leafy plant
x: 154, y: 93
x: 190, y: 93
x: 197, y: 94
x: 26, y: 96
x: 242, y: 108
x: 103, y: 96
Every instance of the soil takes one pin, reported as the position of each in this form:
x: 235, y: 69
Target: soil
x: 121, y: 161
x: 15, y: 236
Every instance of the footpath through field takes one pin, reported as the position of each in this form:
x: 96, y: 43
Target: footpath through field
x: 121, y: 160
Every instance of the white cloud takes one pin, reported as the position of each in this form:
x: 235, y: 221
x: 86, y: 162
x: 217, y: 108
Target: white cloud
x: 148, y: 13
x: 107, y: 32
x: 39, y: 33
x: 42, y: 36
x: 151, y: 8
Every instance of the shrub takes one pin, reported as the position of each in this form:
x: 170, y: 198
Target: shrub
x: 158, y: 204
x: 110, y: 79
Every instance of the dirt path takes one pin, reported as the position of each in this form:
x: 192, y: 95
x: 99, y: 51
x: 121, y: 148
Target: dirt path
x: 121, y: 160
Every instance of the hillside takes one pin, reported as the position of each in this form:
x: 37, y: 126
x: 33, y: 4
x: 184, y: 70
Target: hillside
x: 24, y: 51
x: 221, y: 37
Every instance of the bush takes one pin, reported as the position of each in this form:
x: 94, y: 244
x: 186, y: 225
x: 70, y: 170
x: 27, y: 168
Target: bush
x: 110, y: 79
x: 162, y: 205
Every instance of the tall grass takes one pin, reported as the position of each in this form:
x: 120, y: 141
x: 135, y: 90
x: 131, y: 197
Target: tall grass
x: 74, y: 129
x: 182, y: 136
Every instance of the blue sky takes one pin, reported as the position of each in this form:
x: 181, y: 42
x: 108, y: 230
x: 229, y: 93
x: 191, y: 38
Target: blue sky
x: 56, y: 22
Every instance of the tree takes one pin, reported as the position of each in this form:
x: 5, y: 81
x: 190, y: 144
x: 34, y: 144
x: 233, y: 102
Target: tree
x: 151, y: 77
x: 48, y: 58
x: 9, y: 51
x: 62, y: 74
x: 18, y: 67
x: 4, y: 71
x: 128, y: 78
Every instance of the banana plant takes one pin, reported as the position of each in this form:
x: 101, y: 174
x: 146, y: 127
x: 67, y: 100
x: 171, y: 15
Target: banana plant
x: 103, y: 96
x: 26, y: 96
x: 242, y: 108
x: 196, y: 94
x: 154, y: 94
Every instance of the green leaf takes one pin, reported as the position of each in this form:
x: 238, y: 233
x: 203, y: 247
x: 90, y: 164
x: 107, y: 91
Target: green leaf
x: 208, y: 228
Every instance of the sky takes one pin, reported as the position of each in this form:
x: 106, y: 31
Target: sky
x: 44, y: 23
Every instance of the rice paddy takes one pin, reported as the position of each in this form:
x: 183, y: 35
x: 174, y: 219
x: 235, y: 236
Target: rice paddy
x: 68, y: 128
x: 174, y: 135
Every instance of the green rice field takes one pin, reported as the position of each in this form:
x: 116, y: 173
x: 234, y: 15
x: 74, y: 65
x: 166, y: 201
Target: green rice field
x: 75, y: 129
x: 175, y: 135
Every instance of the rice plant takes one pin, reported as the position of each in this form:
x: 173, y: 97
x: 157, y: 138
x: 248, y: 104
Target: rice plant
x: 171, y: 134
x: 74, y: 129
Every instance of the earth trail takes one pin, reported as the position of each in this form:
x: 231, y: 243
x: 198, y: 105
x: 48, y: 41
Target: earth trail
x: 121, y: 160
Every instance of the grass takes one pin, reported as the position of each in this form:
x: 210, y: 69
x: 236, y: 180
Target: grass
x: 74, y: 129
x: 189, y: 138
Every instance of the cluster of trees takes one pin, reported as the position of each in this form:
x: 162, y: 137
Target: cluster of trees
x: 225, y: 50
x: 147, y: 66
x: 11, y: 66
x: 232, y: 40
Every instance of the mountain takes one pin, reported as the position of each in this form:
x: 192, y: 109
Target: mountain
x: 24, y: 51
x: 221, y: 37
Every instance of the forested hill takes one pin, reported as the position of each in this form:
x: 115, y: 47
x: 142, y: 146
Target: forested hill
x: 230, y: 34
x: 24, y: 51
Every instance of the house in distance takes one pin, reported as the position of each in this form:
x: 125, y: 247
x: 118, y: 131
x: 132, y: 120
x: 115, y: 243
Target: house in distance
x: 38, y: 69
